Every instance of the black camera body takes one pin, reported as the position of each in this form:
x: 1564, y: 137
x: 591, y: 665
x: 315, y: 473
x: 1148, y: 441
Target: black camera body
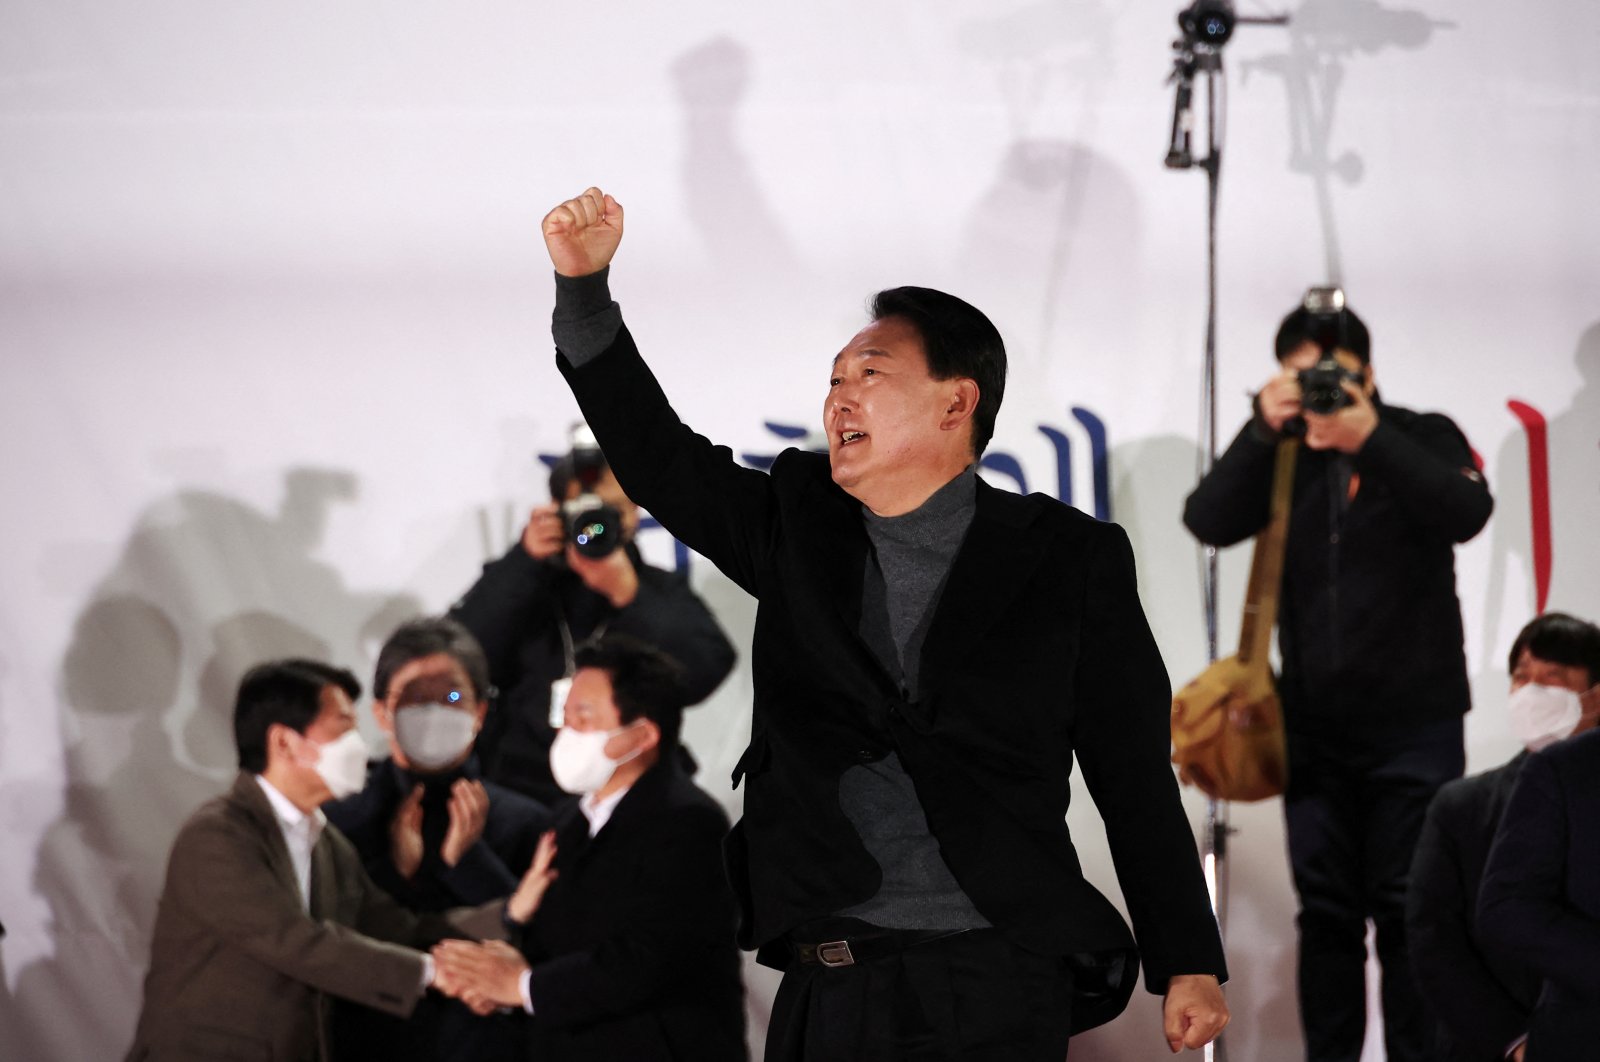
x: 593, y: 527
x: 1321, y: 386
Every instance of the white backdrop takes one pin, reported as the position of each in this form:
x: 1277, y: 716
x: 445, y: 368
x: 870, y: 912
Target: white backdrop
x: 274, y: 355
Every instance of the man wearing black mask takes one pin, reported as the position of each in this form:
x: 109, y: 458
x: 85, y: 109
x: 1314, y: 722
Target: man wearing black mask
x: 431, y: 832
x: 531, y: 608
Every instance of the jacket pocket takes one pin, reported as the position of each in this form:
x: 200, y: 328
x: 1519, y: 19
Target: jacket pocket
x: 755, y: 759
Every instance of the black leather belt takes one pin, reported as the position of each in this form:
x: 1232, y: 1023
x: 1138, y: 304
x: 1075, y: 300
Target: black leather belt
x: 865, y: 947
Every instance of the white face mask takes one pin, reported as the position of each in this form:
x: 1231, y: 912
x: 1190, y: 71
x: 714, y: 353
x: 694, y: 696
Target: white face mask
x: 342, y: 763
x: 1543, y: 715
x: 578, y: 760
x: 434, y: 736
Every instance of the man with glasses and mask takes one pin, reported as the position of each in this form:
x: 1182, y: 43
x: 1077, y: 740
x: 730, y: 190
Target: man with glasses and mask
x: 432, y: 832
x: 1483, y: 1002
x: 631, y: 952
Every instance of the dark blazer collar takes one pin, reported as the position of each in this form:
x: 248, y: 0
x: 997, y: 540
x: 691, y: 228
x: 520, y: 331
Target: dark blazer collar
x: 995, y: 563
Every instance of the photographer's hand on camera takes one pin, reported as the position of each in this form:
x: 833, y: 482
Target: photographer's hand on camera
x: 546, y: 535
x: 1347, y: 429
x: 1278, y: 401
x: 612, y: 576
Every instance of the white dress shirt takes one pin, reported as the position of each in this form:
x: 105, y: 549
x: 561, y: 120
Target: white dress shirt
x: 300, y: 833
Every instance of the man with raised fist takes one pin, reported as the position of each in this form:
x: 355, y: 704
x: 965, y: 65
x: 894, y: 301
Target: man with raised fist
x: 930, y: 653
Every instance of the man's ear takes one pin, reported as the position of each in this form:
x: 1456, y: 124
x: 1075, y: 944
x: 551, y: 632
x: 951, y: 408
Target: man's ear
x: 652, y: 735
x: 963, y: 403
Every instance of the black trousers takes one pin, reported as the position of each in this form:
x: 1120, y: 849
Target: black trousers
x: 1354, y: 811
x: 973, y: 997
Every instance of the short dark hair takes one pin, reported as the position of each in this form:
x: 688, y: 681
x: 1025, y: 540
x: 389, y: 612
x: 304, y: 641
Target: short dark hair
x: 427, y: 636
x: 286, y: 692
x: 1302, y: 327
x: 1560, y: 639
x: 960, y: 342
x: 341, y: 677
x: 645, y: 682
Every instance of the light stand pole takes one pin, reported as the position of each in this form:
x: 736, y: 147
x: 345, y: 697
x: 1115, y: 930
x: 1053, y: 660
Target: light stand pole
x: 1206, y: 26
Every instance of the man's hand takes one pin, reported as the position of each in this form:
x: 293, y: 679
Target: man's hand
x: 405, y: 835
x: 469, y: 810
x: 612, y: 577
x: 1519, y: 1052
x: 582, y: 234
x: 544, y: 536
x: 1347, y: 429
x: 530, y: 890
x: 484, y: 976
x: 1195, y: 1011
x: 1279, y: 399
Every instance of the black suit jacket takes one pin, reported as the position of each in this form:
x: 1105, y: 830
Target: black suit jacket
x: 632, y: 948
x: 1540, y: 899
x: 1038, y: 650
x: 1482, y: 1002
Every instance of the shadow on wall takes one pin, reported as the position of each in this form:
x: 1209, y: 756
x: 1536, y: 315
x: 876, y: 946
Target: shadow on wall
x: 1549, y: 527
x: 1076, y: 232
x: 206, y: 587
x: 724, y: 196
x: 1323, y: 36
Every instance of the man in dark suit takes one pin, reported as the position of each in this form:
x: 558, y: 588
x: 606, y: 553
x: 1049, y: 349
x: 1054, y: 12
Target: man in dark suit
x: 1482, y: 1002
x: 266, y: 910
x: 929, y: 655
x: 432, y: 833
x: 1539, y: 903
x: 631, y: 953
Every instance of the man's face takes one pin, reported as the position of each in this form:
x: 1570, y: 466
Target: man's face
x: 1307, y: 354
x: 441, y: 667
x: 336, y: 717
x: 884, y: 410
x: 610, y: 491
x: 1532, y: 669
x: 591, y: 707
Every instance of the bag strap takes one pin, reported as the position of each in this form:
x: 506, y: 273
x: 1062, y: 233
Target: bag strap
x: 1266, y: 565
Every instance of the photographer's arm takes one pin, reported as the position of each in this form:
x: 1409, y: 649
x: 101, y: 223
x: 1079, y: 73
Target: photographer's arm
x: 1230, y: 502
x: 1431, y: 473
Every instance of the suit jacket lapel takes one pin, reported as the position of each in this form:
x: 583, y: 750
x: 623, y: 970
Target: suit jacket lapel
x: 247, y: 795
x: 994, y: 564
x: 324, y: 898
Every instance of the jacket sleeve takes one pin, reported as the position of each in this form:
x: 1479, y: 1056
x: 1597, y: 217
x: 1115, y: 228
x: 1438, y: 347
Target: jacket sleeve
x: 1431, y: 473
x: 498, y: 609
x: 1451, y: 971
x: 657, y: 936
x: 1232, y: 501
x: 697, y: 490
x: 1522, y: 911
x: 224, y: 877
x: 669, y: 615
x: 1122, y: 737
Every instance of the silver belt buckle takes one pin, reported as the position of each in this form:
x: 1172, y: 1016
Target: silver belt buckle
x: 835, y: 953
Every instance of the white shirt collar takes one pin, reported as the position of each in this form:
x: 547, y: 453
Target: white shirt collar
x: 598, y: 812
x: 292, y: 819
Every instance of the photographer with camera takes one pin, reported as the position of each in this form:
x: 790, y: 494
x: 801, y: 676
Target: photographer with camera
x: 1374, y: 682
x: 575, y: 575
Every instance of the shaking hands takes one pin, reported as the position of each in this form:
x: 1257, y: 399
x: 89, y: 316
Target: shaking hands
x: 487, y: 975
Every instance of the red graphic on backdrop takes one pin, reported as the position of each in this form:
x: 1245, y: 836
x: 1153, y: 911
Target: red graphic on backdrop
x: 1533, y: 424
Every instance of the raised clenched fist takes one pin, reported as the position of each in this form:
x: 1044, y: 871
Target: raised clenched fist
x: 582, y: 234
